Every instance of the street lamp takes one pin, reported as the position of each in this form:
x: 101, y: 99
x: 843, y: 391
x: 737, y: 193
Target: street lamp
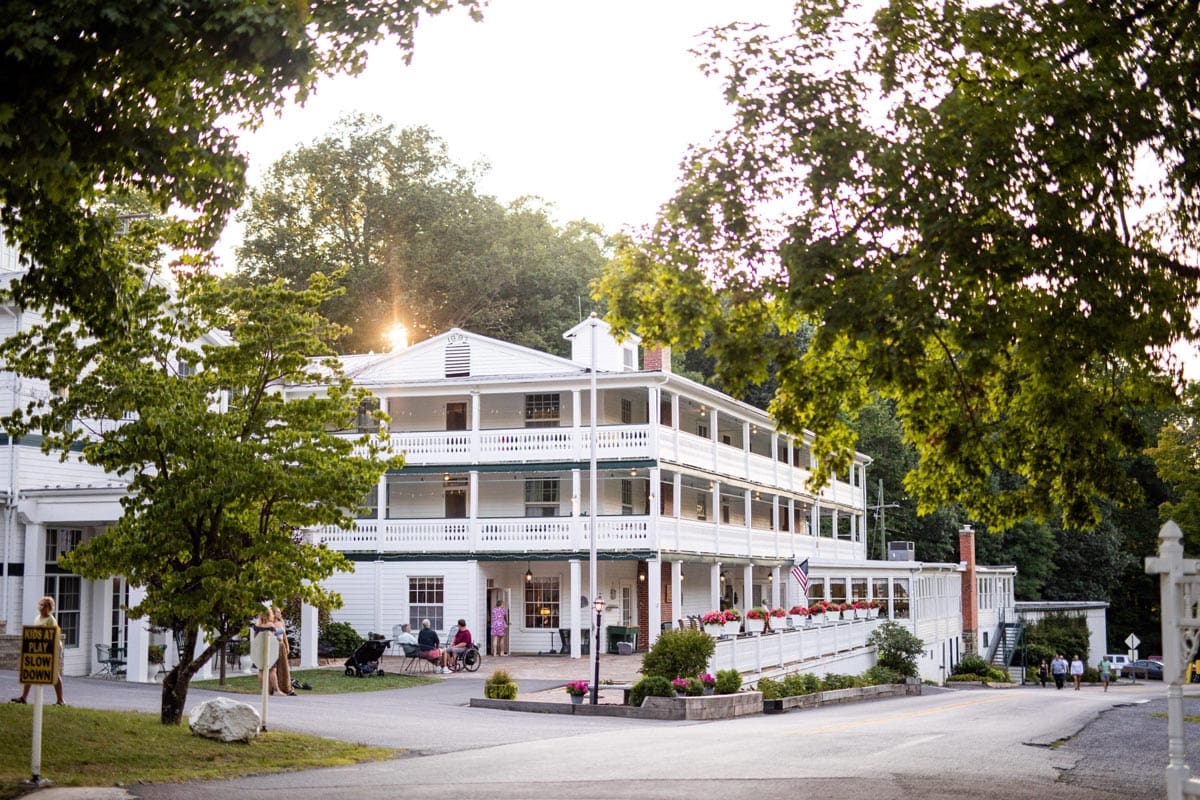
x: 599, y: 606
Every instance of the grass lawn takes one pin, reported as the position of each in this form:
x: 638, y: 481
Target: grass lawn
x: 87, y: 747
x: 322, y: 681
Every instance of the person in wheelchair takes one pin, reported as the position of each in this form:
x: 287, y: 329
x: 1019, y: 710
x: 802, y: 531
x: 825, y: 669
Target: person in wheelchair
x: 461, y: 644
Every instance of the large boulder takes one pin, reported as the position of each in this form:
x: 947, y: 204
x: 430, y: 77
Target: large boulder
x: 225, y: 720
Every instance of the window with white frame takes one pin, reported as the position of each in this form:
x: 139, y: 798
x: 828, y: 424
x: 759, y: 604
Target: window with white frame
x: 455, y: 490
x: 542, y: 603
x: 542, y: 410
x: 426, y: 600
x: 900, y: 598
x: 626, y: 411
x: 66, y: 589
x: 626, y: 496
x: 541, y: 497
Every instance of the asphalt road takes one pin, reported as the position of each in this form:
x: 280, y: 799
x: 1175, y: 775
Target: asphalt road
x: 1012, y: 744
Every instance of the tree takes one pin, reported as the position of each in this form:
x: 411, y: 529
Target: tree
x: 223, y: 471
x: 419, y: 244
x: 896, y: 648
x: 109, y: 95
x: 984, y: 209
x: 1175, y: 456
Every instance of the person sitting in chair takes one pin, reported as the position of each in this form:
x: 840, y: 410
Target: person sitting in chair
x: 431, y: 646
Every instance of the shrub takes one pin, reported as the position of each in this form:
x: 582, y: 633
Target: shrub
x: 1091, y: 675
x: 964, y: 676
x: 896, y: 648
x: 1057, y: 633
x: 801, y: 683
x: 880, y: 675
x: 678, y: 653
x: 695, y: 688
x: 974, y: 665
x: 771, y: 689
x: 728, y: 681
x: 650, y: 686
x: 340, y: 638
x: 834, y: 681
x: 500, y: 686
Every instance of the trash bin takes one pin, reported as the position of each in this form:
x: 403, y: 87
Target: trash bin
x: 620, y: 634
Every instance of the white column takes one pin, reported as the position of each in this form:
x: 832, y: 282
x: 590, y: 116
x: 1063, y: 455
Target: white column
x: 576, y: 581
x: 576, y: 424
x: 748, y: 598
x: 576, y: 510
x: 654, y: 598
x: 677, y: 511
x: 34, y: 583
x: 776, y: 588
x: 714, y: 440
x: 677, y: 591
x: 654, y: 419
x: 775, y: 526
x: 715, y: 502
x: 714, y: 585
x: 206, y: 671
x: 653, y: 493
x: 309, y: 630
x: 473, y: 507
x: 675, y: 424
x: 748, y: 517
x: 137, y: 641
x: 476, y: 402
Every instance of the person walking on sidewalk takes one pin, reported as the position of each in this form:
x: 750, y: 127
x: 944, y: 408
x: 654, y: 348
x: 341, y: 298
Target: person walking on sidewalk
x: 1105, y: 672
x: 1076, y: 671
x: 46, y: 619
x: 1058, y: 669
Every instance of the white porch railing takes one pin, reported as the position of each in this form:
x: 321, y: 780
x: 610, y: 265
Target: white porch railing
x: 613, y: 442
x: 756, y: 653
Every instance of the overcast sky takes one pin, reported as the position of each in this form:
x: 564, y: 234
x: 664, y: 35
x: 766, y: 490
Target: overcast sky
x: 588, y: 105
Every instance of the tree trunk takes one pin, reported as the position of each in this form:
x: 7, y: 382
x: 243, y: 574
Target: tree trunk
x: 176, y: 682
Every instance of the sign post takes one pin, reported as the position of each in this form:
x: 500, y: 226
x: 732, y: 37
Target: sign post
x: 1132, y: 642
x: 38, y: 667
x: 264, y: 650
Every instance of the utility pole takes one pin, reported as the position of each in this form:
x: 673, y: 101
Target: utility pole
x: 881, y: 514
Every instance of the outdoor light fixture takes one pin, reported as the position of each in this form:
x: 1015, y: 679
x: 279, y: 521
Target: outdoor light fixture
x: 599, y: 606
x: 528, y: 573
x: 642, y: 576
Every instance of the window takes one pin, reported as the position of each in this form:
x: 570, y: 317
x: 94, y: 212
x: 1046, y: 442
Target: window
x: 541, y: 603
x: 541, y: 497
x: 456, y: 416
x: 879, y: 593
x: 626, y: 496
x: 630, y: 358
x: 626, y: 411
x: 900, y: 598
x: 456, y: 497
x: 66, y: 589
x: 366, y: 419
x: 425, y: 601
x: 837, y: 590
x: 541, y: 410
x: 702, y: 430
x: 370, y: 505
x: 120, y: 600
x: 858, y: 588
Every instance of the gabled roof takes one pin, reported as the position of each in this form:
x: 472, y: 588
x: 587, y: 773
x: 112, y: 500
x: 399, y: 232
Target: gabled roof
x: 426, y: 360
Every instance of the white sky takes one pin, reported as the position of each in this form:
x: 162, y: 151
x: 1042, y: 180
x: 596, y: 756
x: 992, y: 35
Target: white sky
x: 590, y: 106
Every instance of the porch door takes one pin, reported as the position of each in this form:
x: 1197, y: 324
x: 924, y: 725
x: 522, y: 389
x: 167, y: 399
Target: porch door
x: 456, y: 416
x: 495, y: 593
x: 629, y: 613
x: 118, y: 623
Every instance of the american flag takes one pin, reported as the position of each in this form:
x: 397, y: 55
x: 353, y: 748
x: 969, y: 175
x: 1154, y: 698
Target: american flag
x: 800, y: 573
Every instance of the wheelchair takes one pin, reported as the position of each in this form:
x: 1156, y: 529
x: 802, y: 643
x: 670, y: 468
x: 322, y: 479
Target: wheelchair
x: 467, y: 661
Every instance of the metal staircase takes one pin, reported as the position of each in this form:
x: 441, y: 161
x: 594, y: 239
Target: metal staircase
x: 1005, y: 641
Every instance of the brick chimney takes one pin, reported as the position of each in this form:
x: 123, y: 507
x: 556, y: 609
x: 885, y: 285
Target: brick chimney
x: 970, y: 591
x: 656, y: 359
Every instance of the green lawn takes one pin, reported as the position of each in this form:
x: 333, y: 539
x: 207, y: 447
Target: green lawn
x: 323, y: 681
x: 86, y: 747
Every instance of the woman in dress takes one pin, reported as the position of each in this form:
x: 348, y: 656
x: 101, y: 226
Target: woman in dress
x: 283, y: 670
x: 499, y: 629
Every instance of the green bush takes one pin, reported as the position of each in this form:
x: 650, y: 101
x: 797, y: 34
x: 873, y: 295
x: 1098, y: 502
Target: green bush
x: 974, y: 665
x: 650, y: 686
x: 694, y: 688
x: 833, y: 681
x: 728, y: 681
x: 804, y: 683
x: 771, y: 689
x: 340, y: 638
x: 965, y: 676
x: 500, y: 686
x: 678, y: 654
x: 896, y: 648
x: 1091, y: 675
x: 1057, y: 633
x: 880, y: 675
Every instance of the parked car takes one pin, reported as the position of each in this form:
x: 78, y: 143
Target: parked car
x: 1144, y: 669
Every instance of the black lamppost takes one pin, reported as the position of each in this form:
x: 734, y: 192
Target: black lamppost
x: 599, y: 606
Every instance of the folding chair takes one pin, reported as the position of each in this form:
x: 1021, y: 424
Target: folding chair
x: 111, y: 660
x: 414, y: 658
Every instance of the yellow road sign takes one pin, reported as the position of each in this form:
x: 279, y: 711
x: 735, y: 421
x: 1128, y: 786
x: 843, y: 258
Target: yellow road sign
x: 39, y: 654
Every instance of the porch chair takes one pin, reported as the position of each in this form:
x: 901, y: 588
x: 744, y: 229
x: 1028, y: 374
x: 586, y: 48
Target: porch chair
x: 415, y: 659
x: 111, y: 661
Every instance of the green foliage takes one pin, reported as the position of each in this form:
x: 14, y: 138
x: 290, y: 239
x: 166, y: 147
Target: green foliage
x: 1057, y: 633
x: 896, y: 648
x: 963, y: 230
x: 650, y: 686
x: 500, y: 686
x: 340, y: 638
x: 729, y: 681
x: 138, y: 96
x: 156, y: 653
x: 393, y: 209
x: 678, y: 654
x: 880, y: 675
x: 834, y: 681
x: 223, y: 468
x: 979, y: 670
x: 771, y: 689
x: 1175, y: 456
x: 694, y: 688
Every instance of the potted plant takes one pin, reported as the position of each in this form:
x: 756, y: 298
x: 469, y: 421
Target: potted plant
x: 707, y: 681
x: 778, y: 619
x: 733, y: 622
x: 799, y: 616
x: 577, y: 690
x: 756, y: 620
x: 818, y: 612
x: 681, y: 686
x: 872, y: 609
x: 713, y: 622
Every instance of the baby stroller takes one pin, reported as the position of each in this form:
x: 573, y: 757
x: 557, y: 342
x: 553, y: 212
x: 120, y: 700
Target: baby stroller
x: 364, y: 661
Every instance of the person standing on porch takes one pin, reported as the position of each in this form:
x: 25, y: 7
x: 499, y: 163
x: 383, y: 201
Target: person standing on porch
x: 499, y: 629
x: 45, y: 619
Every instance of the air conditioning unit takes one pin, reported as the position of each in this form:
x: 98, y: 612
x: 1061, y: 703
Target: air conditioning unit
x: 901, y: 551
